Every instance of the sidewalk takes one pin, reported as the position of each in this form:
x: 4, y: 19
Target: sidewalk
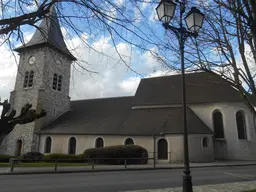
x: 97, y: 168
x: 226, y: 187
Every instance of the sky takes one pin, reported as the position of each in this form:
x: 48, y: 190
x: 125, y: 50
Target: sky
x: 113, y: 77
x: 97, y: 51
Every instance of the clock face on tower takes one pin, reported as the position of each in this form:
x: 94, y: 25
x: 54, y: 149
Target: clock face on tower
x: 31, y: 60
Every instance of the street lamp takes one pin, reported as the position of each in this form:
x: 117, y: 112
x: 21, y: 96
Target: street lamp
x: 194, y: 21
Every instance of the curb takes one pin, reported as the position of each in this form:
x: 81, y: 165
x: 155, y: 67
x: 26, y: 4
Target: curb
x: 119, y: 170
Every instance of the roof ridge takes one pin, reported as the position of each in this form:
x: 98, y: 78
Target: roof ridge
x: 102, y: 98
x: 187, y: 73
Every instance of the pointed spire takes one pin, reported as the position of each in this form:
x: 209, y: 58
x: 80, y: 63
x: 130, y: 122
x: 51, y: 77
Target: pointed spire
x: 49, y: 33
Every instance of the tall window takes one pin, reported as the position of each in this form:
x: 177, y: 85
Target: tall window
x: 19, y: 147
x: 99, y: 142
x: 162, y: 149
x: 129, y: 141
x: 28, y: 79
x: 48, y: 145
x: 72, y: 145
x: 54, y: 83
x: 241, y: 127
x: 57, y: 82
x: 218, y: 124
x: 205, y: 142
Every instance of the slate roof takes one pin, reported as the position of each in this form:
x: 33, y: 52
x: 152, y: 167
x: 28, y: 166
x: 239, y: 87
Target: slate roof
x: 201, y: 87
x: 168, y: 120
x: 94, y: 116
x: 49, y: 33
x: 115, y: 116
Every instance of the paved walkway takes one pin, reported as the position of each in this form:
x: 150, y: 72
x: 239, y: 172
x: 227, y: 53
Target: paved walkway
x: 34, y: 170
x: 226, y: 187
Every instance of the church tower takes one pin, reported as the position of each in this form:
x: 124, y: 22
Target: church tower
x: 43, y: 79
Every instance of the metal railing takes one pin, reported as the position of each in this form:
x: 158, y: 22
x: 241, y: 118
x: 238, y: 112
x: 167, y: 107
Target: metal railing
x: 88, y: 161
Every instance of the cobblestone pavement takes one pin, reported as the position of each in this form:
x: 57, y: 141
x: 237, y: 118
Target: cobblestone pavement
x: 226, y: 187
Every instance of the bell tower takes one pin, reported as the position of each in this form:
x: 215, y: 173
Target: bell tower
x: 43, y: 79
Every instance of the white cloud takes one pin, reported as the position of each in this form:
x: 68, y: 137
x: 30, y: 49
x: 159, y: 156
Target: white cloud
x: 113, y: 77
x: 8, y: 72
x: 33, y: 6
x: 145, y: 4
x: 119, y: 3
x: 130, y: 85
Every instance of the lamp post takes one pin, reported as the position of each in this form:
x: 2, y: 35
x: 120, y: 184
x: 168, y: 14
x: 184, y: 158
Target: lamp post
x: 194, y: 20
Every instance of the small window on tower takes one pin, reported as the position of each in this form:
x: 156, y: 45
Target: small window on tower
x: 28, y: 79
x: 25, y: 80
x: 54, y: 83
x: 59, y: 83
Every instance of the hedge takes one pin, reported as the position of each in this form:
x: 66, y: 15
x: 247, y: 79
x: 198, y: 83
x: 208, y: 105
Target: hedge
x: 65, y: 158
x: 32, y: 156
x: 119, y: 151
x: 5, y: 158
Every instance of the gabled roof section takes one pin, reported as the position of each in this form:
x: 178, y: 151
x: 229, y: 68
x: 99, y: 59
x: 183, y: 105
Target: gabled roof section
x: 48, y: 32
x: 113, y: 116
x: 167, y: 120
x: 201, y: 87
x: 92, y: 116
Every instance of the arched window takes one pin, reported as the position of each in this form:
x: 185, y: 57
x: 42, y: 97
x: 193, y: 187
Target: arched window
x: 205, y: 142
x: 129, y: 141
x: 218, y: 124
x: 31, y: 77
x: 72, y: 145
x: 48, y: 145
x: 28, y: 79
x: 241, y: 127
x: 54, y: 82
x: 19, y: 147
x: 99, y: 142
x: 162, y: 149
x: 57, y: 82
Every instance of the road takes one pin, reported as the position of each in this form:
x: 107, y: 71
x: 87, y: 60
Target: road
x: 122, y: 181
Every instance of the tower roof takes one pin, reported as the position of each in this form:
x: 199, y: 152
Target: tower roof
x: 49, y: 33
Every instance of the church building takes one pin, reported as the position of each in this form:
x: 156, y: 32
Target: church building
x: 220, y: 125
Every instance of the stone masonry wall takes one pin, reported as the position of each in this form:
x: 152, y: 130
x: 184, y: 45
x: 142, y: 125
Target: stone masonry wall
x: 40, y: 95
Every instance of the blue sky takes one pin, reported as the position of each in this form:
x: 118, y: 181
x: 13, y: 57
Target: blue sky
x: 98, y: 52
x: 114, y: 77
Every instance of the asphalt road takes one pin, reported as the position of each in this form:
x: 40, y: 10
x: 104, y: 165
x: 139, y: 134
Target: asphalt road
x: 122, y: 181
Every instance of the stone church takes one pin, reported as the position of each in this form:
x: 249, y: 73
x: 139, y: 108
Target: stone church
x: 220, y: 125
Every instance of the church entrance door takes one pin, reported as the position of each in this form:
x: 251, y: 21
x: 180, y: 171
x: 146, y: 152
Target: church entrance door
x: 19, y: 147
x: 162, y: 149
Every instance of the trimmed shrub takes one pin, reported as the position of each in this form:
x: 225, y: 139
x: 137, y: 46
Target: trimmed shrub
x: 32, y: 156
x: 6, y: 158
x: 64, y: 158
x: 114, y: 154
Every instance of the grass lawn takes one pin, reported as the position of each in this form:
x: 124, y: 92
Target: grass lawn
x: 42, y: 164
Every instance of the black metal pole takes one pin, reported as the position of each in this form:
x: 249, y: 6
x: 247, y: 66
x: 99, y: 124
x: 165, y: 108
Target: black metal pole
x: 187, y: 180
x: 154, y: 146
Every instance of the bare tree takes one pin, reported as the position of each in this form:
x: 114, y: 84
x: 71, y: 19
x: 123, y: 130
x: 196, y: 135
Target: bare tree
x: 226, y: 45
x: 8, y: 120
x: 117, y: 19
